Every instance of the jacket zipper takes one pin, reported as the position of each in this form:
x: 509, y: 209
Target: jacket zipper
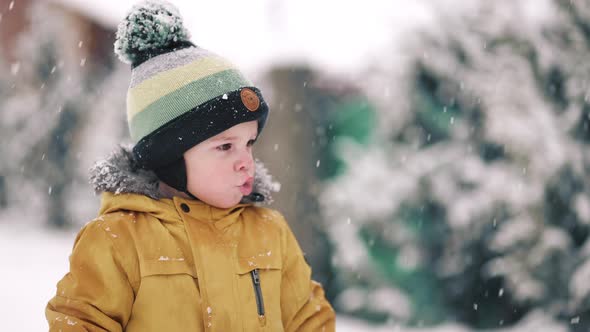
x: 258, y: 293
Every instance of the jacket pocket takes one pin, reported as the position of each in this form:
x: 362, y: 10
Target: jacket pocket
x: 166, y: 266
x: 259, y: 284
x: 178, y: 273
x: 168, y: 294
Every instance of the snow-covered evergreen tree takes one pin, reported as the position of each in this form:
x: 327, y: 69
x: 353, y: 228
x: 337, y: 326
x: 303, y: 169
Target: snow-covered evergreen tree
x: 473, y: 204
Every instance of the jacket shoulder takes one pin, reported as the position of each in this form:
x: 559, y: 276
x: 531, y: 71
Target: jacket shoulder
x: 116, y: 228
x: 114, y: 224
x: 102, y: 240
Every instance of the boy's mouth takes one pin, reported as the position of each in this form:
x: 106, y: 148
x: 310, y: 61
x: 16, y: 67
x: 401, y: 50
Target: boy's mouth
x: 246, y: 188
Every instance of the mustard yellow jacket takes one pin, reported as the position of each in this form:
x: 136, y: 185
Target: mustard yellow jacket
x: 181, y: 265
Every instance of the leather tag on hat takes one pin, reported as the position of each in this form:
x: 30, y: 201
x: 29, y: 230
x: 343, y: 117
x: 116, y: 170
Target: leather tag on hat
x: 250, y: 99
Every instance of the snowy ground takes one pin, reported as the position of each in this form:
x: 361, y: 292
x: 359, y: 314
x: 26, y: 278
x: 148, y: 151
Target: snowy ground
x: 33, y: 260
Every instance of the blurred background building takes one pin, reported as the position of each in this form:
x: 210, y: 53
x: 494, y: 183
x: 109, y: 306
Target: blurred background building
x: 433, y: 157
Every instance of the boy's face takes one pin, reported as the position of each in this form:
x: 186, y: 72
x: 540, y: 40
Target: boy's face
x: 220, y: 170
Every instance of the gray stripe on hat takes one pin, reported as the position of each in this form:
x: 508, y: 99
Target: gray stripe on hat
x: 165, y: 62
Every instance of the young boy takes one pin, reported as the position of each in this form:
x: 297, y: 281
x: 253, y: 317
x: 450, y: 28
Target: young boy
x: 179, y: 244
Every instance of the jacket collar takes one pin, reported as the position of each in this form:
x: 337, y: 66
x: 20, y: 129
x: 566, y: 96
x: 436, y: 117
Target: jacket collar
x: 170, y: 210
x: 119, y: 173
x: 221, y: 218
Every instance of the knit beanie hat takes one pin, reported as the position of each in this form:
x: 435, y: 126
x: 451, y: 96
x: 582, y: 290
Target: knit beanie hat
x: 180, y: 94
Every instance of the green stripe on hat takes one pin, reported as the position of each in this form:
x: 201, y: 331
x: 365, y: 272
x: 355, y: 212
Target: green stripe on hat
x: 183, y: 100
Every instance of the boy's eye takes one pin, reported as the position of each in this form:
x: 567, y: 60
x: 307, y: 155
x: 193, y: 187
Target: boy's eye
x: 251, y: 142
x: 224, y: 147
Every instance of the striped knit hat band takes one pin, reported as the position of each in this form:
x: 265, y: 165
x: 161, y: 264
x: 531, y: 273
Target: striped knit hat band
x: 169, y: 85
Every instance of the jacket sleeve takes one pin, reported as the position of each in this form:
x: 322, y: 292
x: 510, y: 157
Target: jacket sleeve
x: 95, y: 295
x: 303, y: 304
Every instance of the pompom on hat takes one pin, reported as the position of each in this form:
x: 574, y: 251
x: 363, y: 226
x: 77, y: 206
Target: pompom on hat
x: 180, y: 94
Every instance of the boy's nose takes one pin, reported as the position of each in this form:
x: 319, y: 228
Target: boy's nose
x: 245, y: 162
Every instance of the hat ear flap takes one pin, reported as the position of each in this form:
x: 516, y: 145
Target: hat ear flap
x: 174, y: 175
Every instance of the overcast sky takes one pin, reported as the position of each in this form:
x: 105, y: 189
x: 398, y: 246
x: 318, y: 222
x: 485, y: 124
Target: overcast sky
x: 333, y: 34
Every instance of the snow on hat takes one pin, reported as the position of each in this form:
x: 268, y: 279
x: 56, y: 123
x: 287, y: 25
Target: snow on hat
x: 180, y: 94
